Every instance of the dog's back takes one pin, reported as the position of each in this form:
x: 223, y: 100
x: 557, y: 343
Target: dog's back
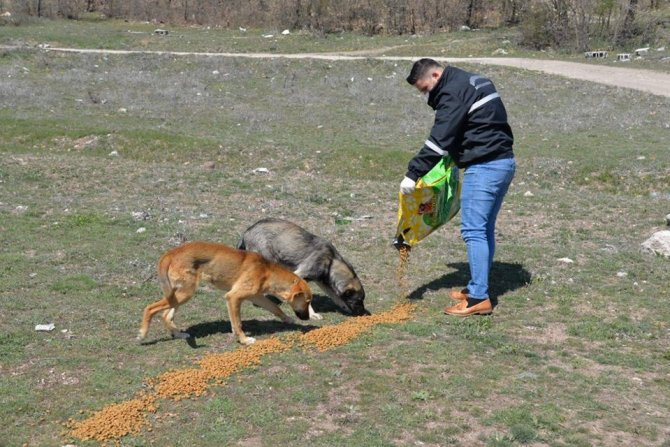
x: 310, y: 257
x: 290, y: 245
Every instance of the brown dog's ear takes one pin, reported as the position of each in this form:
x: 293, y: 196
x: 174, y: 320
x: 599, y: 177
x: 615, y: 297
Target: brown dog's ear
x: 292, y: 295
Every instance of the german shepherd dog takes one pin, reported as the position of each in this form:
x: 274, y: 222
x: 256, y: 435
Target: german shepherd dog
x: 245, y: 275
x: 310, y: 257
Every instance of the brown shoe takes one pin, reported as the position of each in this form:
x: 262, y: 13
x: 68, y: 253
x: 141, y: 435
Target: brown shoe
x: 459, y: 295
x: 461, y: 309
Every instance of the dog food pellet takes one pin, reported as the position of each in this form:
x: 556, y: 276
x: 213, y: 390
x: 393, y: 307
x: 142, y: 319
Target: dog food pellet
x: 129, y: 417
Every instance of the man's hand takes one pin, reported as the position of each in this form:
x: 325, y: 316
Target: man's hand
x: 407, y: 185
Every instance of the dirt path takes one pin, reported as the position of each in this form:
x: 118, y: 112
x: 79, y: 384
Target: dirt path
x: 649, y: 81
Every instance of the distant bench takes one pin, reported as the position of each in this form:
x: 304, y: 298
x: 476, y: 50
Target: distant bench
x: 595, y: 54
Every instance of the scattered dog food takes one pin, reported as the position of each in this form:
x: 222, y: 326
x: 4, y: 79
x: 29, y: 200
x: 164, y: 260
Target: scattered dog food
x: 130, y: 417
x: 193, y: 382
x: 114, y: 421
x: 328, y: 337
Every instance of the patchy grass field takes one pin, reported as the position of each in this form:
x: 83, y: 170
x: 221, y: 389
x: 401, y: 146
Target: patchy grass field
x: 95, y: 148
x: 93, y: 31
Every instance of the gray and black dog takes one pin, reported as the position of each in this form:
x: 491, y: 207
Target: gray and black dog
x: 310, y: 257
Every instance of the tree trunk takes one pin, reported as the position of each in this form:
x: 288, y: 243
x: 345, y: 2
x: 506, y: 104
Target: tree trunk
x: 628, y: 21
x: 468, y: 20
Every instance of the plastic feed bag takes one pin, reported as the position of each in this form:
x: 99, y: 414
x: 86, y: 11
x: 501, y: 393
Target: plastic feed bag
x: 435, y: 201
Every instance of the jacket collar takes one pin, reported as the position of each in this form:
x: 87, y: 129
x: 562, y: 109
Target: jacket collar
x: 435, y: 92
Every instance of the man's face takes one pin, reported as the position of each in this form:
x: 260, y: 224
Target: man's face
x: 426, y: 83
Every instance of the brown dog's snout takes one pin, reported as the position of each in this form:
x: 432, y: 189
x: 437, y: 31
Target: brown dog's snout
x: 302, y: 314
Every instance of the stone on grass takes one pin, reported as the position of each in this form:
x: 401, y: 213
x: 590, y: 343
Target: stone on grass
x: 658, y: 244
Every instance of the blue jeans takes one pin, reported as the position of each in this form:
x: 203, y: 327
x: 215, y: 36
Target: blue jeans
x: 482, y: 192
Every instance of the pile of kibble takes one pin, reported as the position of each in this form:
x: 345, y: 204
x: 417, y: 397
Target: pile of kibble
x: 118, y: 420
x: 328, y: 337
x: 114, y: 421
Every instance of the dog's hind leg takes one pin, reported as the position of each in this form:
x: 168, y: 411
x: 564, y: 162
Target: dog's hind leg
x: 185, y: 290
x: 152, y: 309
x: 168, y: 321
x: 267, y: 304
x: 172, y: 299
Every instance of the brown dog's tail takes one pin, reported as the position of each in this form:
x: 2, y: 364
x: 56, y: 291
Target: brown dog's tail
x: 163, y: 278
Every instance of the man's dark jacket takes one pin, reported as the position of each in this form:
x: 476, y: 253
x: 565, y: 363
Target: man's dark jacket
x: 470, y: 123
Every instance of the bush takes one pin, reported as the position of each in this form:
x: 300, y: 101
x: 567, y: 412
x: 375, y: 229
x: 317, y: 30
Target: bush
x: 536, y: 28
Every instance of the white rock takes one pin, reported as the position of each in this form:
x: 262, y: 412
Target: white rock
x: 658, y: 244
x: 528, y: 194
x: 566, y: 260
x: 140, y: 215
x: 621, y: 274
x: 268, y: 36
x: 286, y: 32
x: 667, y: 219
x: 261, y: 171
x: 45, y: 327
x: 141, y: 230
x: 114, y: 154
x: 244, y: 30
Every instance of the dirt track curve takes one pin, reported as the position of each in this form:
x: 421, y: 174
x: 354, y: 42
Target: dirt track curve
x: 654, y: 82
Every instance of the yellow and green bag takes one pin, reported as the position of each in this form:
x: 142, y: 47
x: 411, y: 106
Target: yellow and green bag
x: 435, y: 201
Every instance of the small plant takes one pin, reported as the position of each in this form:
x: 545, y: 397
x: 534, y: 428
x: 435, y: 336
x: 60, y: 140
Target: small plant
x: 422, y: 395
x: 523, y: 433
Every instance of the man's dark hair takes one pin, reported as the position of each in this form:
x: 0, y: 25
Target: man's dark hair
x: 421, y: 69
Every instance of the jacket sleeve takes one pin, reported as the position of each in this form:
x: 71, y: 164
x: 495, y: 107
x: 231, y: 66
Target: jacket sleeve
x: 445, y: 137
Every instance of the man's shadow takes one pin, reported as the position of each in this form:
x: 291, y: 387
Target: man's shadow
x: 504, y: 277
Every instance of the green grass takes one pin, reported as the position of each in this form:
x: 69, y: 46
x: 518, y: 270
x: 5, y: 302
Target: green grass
x: 574, y: 354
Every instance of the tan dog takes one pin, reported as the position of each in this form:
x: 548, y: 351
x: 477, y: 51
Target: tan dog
x: 245, y: 275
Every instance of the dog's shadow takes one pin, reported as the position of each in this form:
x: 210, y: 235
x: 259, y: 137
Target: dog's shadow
x: 252, y: 327
x: 504, y: 277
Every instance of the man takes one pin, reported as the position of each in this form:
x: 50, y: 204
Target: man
x: 471, y: 126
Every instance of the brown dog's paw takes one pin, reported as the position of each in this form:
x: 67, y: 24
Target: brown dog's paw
x: 246, y: 341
